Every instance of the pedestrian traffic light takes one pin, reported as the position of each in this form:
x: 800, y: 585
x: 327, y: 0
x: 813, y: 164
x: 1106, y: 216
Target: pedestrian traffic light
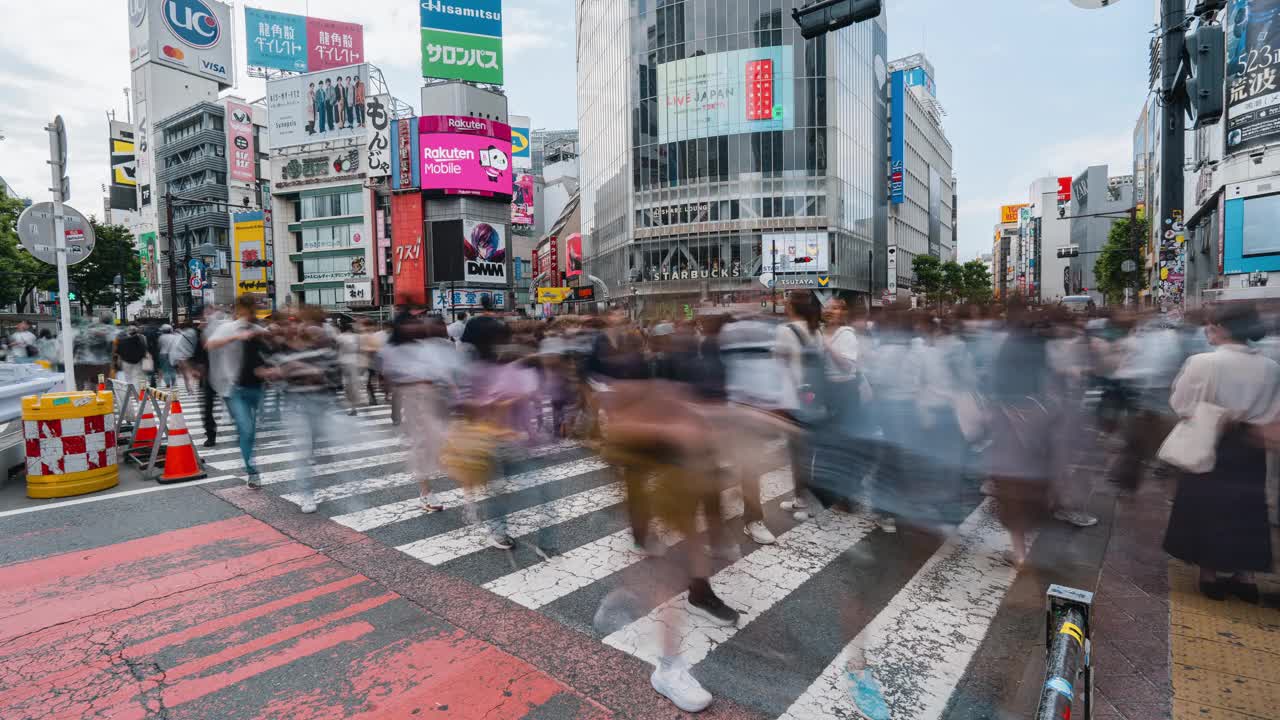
x: 1206, y: 76
x: 825, y: 16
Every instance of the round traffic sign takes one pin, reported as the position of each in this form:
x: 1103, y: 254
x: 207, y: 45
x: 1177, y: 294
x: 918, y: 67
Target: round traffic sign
x: 35, y: 232
x: 1128, y: 266
x: 196, y: 282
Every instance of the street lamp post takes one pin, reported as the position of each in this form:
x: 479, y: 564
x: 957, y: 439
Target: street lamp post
x: 173, y: 252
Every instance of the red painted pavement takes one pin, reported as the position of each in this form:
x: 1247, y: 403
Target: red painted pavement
x: 231, y: 619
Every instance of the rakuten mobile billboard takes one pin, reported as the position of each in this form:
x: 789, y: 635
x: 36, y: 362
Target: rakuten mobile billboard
x: 465, y: 155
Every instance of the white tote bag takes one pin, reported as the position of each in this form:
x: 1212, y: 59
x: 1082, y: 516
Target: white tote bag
x: 1192, y: 445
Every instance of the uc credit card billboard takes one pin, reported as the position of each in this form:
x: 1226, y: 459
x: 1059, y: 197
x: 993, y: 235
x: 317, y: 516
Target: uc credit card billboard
x: 726, y: 93
x: 465, y: 155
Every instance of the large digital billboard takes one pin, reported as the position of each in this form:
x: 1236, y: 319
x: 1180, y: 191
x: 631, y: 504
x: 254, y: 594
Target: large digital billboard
x: 191, y: 35
x: 726, y: 93
x: 327, y: 105
x: 297, y: 43
x: 462, y: 40
x: 522, y: 212
x: 484, y: 252
x: 249, y: 235
x: 464, y: 155
x: 1253, y: 93
x: 796, y: 252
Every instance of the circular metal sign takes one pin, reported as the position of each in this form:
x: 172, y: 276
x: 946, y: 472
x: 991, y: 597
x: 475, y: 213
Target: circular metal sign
x: 1128, y: 266
x: 35, y: 232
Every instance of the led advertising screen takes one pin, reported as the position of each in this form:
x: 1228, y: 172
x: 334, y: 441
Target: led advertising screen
x: 726, y: 93
x: 327, y: 105
x: 796, y: 252
x: 465, y: 155
x: 522, y: 200
x: 484, y: 251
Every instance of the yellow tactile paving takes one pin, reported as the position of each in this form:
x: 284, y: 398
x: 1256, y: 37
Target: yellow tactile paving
x: 1192, y: 711
x: 1226, y: 655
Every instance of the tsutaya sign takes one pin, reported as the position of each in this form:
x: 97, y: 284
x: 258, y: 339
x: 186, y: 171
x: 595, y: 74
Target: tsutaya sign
x: 696, y: 274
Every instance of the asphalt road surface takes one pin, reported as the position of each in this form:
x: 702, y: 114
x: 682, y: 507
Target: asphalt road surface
x: 215, y: 601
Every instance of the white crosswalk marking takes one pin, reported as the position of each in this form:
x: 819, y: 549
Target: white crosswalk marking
x: 336, y: 468
x: 440, y: 549
x: 368, y: 485
x: 752, y: 585
x: 378, y: 428
x: 322, y: 452
x: 933, y: 626
x: 376, y: 517
x: 549, y: 581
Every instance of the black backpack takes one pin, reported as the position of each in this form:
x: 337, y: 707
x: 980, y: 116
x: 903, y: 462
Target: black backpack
x: 133, y: 348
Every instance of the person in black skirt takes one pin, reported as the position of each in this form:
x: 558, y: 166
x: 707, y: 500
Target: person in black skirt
x: 1219, y: 518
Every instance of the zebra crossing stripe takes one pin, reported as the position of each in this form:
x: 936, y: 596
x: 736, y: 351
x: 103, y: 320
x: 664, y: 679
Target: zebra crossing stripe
x: 440, y: 549
x: 381, y: 515
x: 322, y: 452
x: 276, y: 428
x: 546, y: 582
x: 751, y: 585
x: 336, y: 468
x: 377, y: 428
x: 368, y: 485
x: 933, y: 626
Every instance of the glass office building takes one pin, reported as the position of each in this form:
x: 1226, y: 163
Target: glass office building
x: 717, y: 143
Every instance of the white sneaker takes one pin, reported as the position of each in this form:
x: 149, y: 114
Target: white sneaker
x: 759, y: 532
x: 677, y: 685
x: 1076, y: 517
x: 308, y: 502
x: 887, y: 524
x: 799, y: 509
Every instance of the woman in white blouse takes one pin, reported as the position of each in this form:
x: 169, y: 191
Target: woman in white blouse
x: 1219, y: 518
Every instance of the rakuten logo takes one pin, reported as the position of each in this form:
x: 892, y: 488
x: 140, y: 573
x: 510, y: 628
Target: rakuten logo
x: 447, y: 154
x: 460, y: 124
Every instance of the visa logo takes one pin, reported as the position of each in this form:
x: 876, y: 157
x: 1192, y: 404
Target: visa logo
x: 214, y: 67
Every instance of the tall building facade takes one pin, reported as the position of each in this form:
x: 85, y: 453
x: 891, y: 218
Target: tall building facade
x: 921, y: 190
x: 1098, y: 201
x: 717, y: 144
x: 191, y: 163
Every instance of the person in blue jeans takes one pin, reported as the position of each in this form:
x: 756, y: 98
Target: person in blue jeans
x: 238, y: 352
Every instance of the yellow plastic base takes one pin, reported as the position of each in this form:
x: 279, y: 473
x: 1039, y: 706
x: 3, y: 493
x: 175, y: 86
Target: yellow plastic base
x: 77, y: 483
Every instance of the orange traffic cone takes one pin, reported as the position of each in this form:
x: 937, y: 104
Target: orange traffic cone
x: 180, y: 461
x: 145, y: 435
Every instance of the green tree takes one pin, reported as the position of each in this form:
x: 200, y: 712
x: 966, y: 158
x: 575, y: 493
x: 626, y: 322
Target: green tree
x: 20, y: 274
x: 1123, y: 243
x: 114, y: 254
x: 977, y: 282
x: 952, y: 281
x: 929, y: 278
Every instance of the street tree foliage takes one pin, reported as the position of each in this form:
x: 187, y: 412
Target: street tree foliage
x: 22, y: 275
x: 114, y: 254
x: 1123, y: 243
x: 951, y: 282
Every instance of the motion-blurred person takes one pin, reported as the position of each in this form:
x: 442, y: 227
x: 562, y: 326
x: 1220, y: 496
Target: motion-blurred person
x: 166, y: 344
x: 307, y: 364
x: 49, y: 349
x: 802, y: 377
x: 457, y: 326
x: 22, y: 344
x: 1219, y: 518
x: 238, y: 353
x: 350, y: 360
x: 93, y: 347
x: 1021, y: 417
x: 843, y: 457
x: 131, y: 349
x: 1074, y: 446
x: 419, y: 362
x: 372, y: 338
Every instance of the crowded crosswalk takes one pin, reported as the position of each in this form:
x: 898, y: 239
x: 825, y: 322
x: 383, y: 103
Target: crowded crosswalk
x: 575, y: 561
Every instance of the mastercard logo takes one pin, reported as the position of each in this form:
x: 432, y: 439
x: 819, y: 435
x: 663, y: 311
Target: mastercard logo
x: 173, y: 52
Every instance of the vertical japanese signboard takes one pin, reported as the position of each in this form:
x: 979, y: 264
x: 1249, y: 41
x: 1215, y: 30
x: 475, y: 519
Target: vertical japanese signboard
x: 241, y: 153
x: 897, y: 138
x: 249, y: 241
x: 462, y: 40
x: 404, y: 154
x: 1253, y: 75
x: 378, y: 149
x: 408, y: 262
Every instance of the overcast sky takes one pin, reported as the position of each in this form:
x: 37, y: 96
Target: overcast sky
x: 1032, y: 87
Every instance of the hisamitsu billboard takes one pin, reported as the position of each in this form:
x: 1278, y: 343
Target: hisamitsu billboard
x: 473, y: 17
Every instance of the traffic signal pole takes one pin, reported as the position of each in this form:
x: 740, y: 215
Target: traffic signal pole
x: 57, y: 159
x: 1173, y: 17
x: 173, y: 259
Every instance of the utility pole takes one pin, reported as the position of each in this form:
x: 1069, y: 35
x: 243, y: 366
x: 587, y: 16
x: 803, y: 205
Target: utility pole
x: 60, y: 188
x: 1173, y: 17
x: 173, y: 259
